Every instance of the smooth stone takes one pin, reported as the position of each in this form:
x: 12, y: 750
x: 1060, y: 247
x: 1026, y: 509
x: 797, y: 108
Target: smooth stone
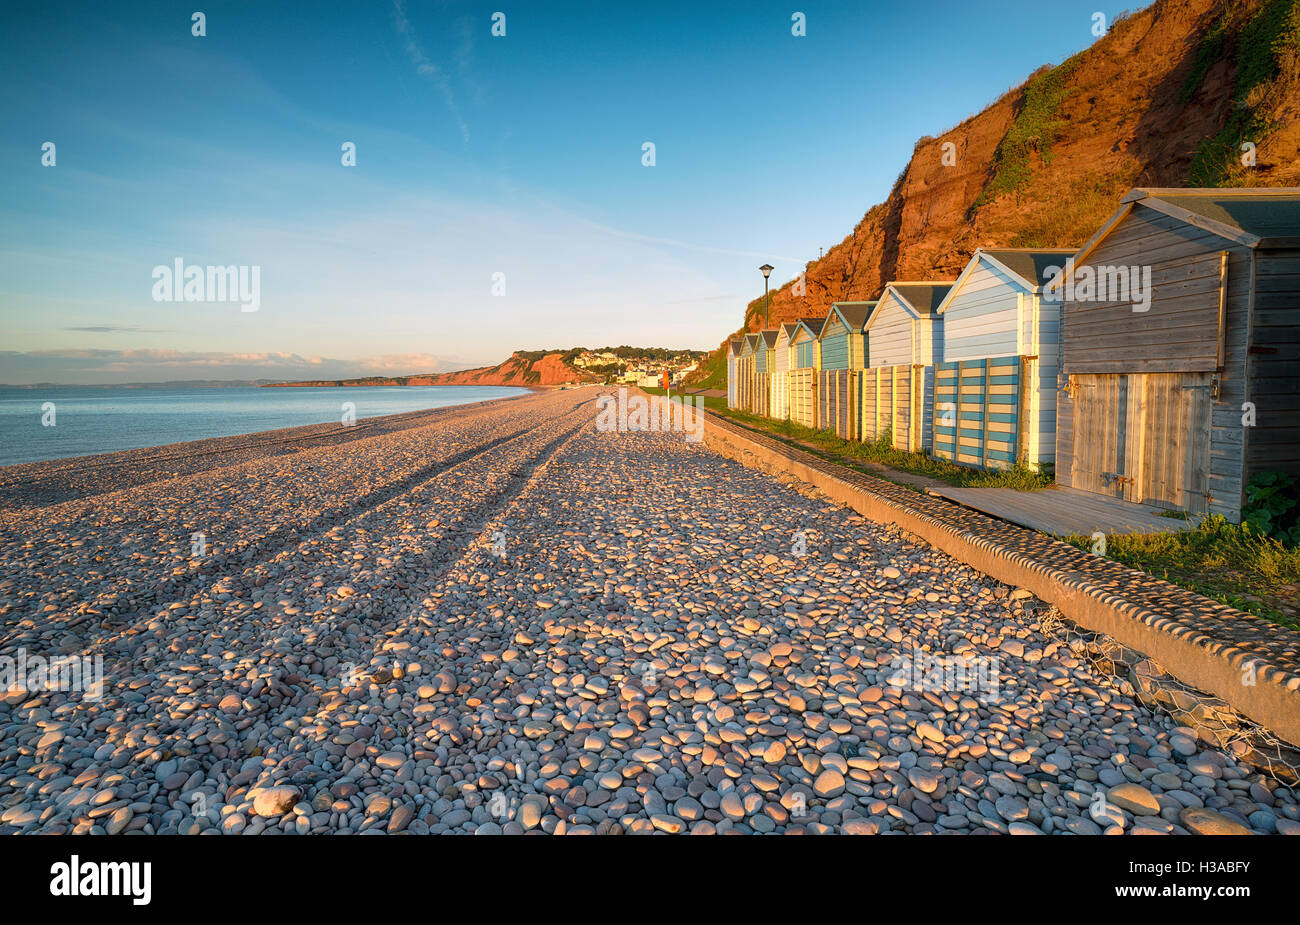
x: 1137, y: 799
x: 1208, y: 822
x: 274, y: 801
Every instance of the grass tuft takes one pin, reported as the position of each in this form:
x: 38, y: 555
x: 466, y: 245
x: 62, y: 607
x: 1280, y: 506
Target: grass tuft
x: 829, y: 445
x: 1032, y: 132
x: 1233, y: 564
x: 1257, y: 50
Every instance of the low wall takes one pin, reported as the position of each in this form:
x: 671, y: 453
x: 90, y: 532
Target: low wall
x: 1214, y: 648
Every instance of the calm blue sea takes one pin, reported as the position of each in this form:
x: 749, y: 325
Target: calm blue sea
x: 90, y: 421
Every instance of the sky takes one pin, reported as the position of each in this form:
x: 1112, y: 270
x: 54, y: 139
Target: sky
x: 500, y: 198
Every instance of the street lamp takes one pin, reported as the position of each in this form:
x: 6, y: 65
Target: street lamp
x: 766, y: 269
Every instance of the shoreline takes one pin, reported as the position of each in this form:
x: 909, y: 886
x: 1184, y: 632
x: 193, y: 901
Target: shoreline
x: 277, y: 433
x: 33, y: 484
x: 410, y: 385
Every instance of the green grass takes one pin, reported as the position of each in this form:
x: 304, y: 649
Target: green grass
x: 1257, y: 50
x: 1032, y: 132
x: 1068, y: 217
x: 711, y: 402
x: 852, y: 453
x: 712, y: 371
x: 1230, y: 563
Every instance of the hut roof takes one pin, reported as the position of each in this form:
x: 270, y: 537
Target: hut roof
x: 1252, y: 216
x: 1029, y: 264
x: 853, y: 314
x: 769, y: 337
x: 922, y: 298
x: 812, y: 325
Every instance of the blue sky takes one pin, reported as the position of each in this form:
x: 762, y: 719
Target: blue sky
x: 476, y: 155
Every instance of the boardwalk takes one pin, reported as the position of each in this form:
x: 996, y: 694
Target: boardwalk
x: 1064, y: 511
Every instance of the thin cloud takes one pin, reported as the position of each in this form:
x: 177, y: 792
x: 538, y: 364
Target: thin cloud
x: 85, y: 365
x: 119, y: 329
x: 424, y: 66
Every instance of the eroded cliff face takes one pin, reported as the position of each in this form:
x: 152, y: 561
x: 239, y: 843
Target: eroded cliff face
x: 518, y: 370
x: 1044, y: 165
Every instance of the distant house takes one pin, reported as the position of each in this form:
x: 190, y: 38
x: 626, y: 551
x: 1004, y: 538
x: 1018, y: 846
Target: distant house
x: 906, y: 340
x: 995, y: 387
x: 843, y: 347
x: 1181, y: 354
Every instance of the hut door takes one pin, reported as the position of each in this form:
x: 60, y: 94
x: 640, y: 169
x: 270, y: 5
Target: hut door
x: 1168, y: 440
x: 1096, y: 415
x: 1143, y: 437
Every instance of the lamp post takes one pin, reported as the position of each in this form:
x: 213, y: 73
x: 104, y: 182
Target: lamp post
x: 767, y: 300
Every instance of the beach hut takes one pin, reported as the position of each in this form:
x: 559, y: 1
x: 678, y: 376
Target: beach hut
x: 803, y: 371
x: 906, y: 341
x: 780, y: 371
x: 744, y: 363
x: 733, y: 384
x: 749, y: 372
x: 1181, y: 349
x: 763, y: 363
x: 843, y: 348
x: 995, y: 386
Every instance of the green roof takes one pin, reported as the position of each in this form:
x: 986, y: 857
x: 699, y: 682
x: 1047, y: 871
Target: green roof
x: 1030, y: 264
x: 853, y: 314
x: 924, y: 298
x: 1249, y: 215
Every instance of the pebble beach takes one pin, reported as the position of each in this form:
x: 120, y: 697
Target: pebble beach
x: 498, y: 619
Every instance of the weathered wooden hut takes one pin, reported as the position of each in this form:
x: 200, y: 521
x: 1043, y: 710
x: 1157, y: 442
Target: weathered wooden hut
x: 734, y: 347
x: 803, y: 371
x: 1181, y: 349
x: 995, y: 386
x: 906, y: 340
x: 843, y: 348
x: 781, y: 370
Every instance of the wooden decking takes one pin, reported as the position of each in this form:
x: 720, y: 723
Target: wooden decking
x: 1062, y: 511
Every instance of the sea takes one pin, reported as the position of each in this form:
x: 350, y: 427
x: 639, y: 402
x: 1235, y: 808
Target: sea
x: 54, y: 423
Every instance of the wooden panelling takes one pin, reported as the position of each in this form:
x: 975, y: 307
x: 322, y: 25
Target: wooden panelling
x: 977, y: 411
x: 886, y: 397
x: 1273, y: 443
x: 802, y: 395
x: 1143, y: 437
x: 1110, y: 337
